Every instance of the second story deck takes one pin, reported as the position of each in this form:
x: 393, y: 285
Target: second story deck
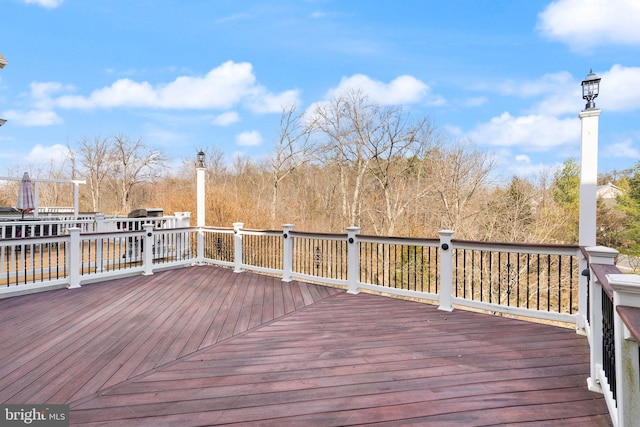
x: 203, y: 345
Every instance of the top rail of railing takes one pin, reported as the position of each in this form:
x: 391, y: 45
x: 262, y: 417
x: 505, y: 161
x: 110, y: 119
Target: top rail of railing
x: 52, y: 225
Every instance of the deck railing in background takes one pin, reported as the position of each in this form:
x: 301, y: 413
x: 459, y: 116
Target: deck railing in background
x: 217, y: 246
x: 319, y: 257
x: 529, y: 280
x: 39, y: 263
x: 55, y: 225
x: 403, y: 266
x: 539, y: 281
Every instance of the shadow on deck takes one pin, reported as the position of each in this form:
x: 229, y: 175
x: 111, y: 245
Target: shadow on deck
x: 206, y: 346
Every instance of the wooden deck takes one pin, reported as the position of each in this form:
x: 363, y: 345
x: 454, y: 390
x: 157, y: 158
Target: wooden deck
x: 206, y: 346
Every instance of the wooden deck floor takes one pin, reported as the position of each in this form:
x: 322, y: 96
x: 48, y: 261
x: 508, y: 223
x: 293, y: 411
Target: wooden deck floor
x: 206, y: 346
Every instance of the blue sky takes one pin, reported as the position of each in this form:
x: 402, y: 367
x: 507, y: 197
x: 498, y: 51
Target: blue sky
x: 188, y: 74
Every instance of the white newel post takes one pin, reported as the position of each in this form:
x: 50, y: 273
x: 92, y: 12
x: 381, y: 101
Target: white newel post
x: 237, y: 247
x: 588, y: 199
x: 101, y: 226
x: 183, y: 219
x: 588, y: 177
x: 597, y: 255
x: 353, y: 260
x: 626, y: 292
x: 200, y: 196
x: 446, y: 270
x: 75, y: 257
x: 148, y: 250
x: 287, y: 253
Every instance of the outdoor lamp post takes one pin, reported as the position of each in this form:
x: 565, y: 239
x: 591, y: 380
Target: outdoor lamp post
x: 588, y: 184
x: 590, y: 89
x: 200, y: 159
x: 589, y: 161
x: 588, y: 179
x: 200, y: 197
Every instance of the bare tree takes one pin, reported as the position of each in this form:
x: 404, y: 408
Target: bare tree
x: 461, y: 174
x: 292, y: 150
x: 397, y: 168
x: 351, y: 131
x: 96, y: 164
x: 133, y: 163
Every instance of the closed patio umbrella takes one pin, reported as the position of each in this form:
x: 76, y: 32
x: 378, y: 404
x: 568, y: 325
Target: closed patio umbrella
x: 25, y: 195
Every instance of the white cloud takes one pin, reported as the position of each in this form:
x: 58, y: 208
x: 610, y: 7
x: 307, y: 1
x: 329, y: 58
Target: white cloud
x: 32, y: 117
x: 559, y: 93
x: 225, y: 119
x: 523, y: 158
x: 583, y: 24
x: 622, y: 149
x: 263, y: 102
x: 532, y: 132
x: 42, y: 92
x: 619, y: 89
x: 249, y: 138
x: 48, y: 4
x: 42, y: 154
x: 548, y: 83
x: 402, y: 90
x: 223, y: 87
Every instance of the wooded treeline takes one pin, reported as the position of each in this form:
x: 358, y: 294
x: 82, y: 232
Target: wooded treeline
x: 347, y: 162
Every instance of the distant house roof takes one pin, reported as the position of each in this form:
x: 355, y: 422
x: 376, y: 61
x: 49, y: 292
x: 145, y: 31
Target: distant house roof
x: 3, y: 61
x: 608, y: 191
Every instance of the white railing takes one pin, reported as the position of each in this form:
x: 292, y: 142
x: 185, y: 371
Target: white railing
x: 538, y: 281
x: 615, y: 359
x: 71, y: 260
x: 55, y: 225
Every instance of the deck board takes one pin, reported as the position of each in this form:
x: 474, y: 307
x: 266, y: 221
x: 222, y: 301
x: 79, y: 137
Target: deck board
x: 206, y: 346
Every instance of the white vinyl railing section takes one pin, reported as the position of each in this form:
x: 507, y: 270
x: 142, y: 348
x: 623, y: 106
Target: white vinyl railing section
x: 540, y: 281
x: 614, y: 320
x: 552, y: 282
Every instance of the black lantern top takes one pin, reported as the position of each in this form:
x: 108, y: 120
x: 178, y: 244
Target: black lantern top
x: 200, y: 162
x: 590, y: 89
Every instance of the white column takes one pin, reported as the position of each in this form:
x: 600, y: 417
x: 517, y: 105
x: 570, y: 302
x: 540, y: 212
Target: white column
x: 200, y: 196
x: 75, y: 257
x: 353, y: 260
x: 446, y: 270
x: 237, y: 247
x: 588, y: 177
x: 287, y: 253
x: 147, y: 258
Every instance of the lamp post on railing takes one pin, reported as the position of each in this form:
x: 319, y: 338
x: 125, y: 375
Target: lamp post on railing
x: 200, y: 195
x: 588, y: 184
x: 589, y: 161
